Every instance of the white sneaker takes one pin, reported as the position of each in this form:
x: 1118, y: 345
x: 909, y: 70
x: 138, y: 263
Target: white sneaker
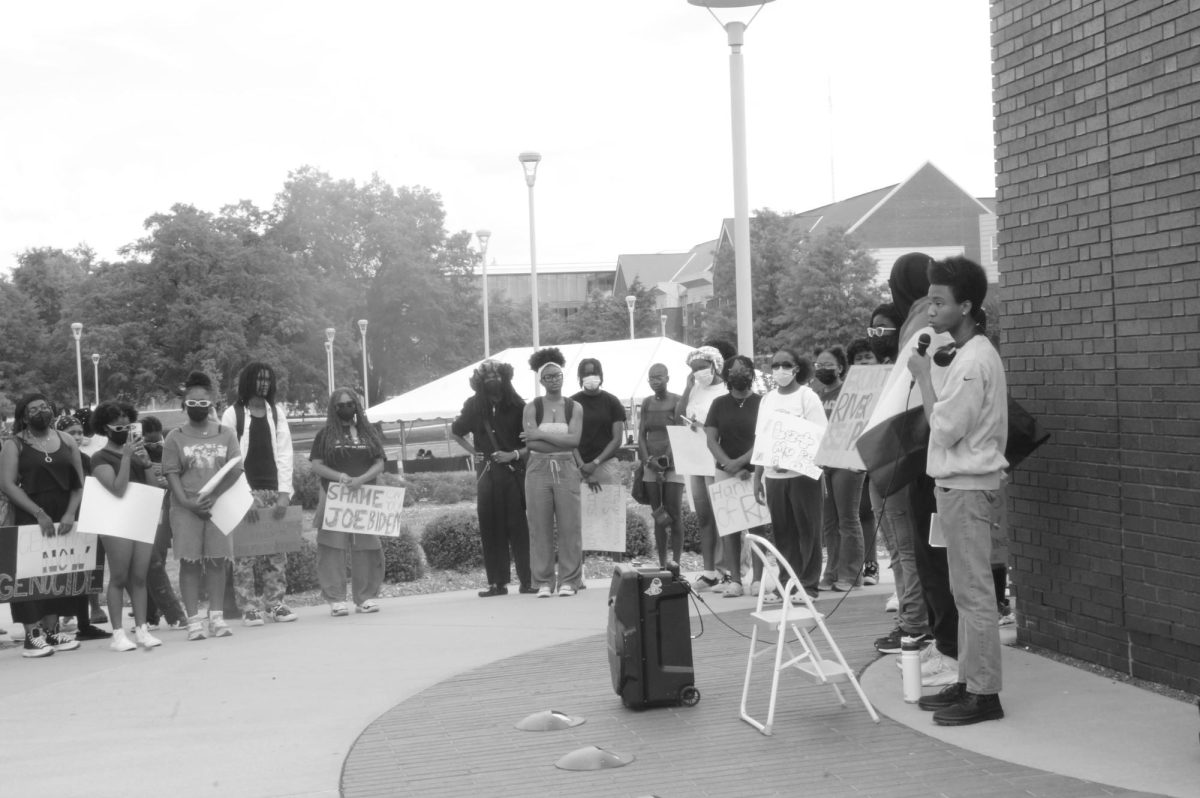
x: 217, y: 626
x: 544, y: 591
x: 734, y: 590
x: 939, y: 670
x: 195, y: 628
x: 892, y: 604
x: 144, y: 638
x: 566, y: 590
x: 121, y: 642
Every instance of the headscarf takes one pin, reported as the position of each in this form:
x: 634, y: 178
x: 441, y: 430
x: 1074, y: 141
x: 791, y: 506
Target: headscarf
x: 709, y: 353
x: 909, y: 281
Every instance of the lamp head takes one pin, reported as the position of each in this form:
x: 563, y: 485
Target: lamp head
x: 329, y: 333
x: 76, y: 330
x: 630, y: 301
x: 95, y: 359
x: 362, y: 326
x: 483, y: 236
x: 728, y: 3
x: 529, y: 162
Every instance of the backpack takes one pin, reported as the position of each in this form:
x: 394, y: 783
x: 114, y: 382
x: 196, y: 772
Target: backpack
x: 568, y: 403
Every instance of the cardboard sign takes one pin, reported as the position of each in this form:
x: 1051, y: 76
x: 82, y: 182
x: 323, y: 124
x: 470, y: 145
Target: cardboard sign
x: 789, y: 442
x: 690, y: 451
x: 368, y: 510
x: 134, y: 516
x: 230, y: 507
x: 267, y: 535
x: 603, y: 518
x: 850, y: 415
x: 33, y: 566
x: 734, y: 506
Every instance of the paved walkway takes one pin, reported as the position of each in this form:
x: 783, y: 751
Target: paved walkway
x: 421, y: 699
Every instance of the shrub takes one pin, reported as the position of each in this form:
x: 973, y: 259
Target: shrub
x: 691, y: 531
x: 639, y: 535
x: 445, y: 487
x: 402, y: 558
x: 302, y: 568
x: 451, y: 541
x: 306, y: 486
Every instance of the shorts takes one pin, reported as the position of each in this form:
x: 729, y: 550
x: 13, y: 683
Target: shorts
x: 197, y: 539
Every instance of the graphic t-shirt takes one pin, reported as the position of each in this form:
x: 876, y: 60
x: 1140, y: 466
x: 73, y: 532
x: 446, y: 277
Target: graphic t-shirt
x: 197, y: 457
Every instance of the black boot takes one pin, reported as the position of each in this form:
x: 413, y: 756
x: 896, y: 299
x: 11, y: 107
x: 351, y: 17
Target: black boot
x: 973, y: 708
x: 494, y: 590
x: 946, y: 697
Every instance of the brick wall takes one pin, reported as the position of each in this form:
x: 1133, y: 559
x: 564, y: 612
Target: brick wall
x: 1097, y: 119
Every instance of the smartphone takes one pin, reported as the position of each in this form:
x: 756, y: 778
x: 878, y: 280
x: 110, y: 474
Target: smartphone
x: 135, y: 431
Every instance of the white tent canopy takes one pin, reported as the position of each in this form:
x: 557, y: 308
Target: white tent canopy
x: 625, y: 363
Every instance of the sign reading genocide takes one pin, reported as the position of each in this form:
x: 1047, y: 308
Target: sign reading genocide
x: 603, y: 517
x: 33, y: 566
x: 367, y: 510
x: 268, y: 535
x: 855, y: 403
x: 734, y: 506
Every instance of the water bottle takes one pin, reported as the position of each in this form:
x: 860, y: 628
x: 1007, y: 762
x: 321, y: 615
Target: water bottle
x: 910, y: 669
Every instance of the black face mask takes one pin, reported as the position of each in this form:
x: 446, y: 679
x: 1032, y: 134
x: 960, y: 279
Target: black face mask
x: 197, y: 413
x: 883, y: 347
x: 39, y: 421
x: 827, y: 376
x: 345, y: 413
x: 119, y: 438
x: 740, y: 382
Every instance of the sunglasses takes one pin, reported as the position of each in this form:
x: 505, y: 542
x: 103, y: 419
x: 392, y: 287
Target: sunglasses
x: 347, y: 405
x: 197, y: 403
x: 555, y: 376
x: 787, y: 364
x: 120, y: 427
x: 879, y: 332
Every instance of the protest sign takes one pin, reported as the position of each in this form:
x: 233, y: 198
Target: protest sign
x: 33, y: 566
x: 853, y: 409
x: 790, y: 443
x: 367, y: 510
x: 734, y: 506
x: 268, y: 535
x: 603, y: 517
x: 690, y: 451
x: 230, y: 507
x: 134, y: 516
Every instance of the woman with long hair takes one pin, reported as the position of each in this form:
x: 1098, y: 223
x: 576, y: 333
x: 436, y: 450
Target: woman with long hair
x: 347, y: 450
x: 552, y: 426
x: 88, y: 611
x: 192, y: 455
x: 124, y: 460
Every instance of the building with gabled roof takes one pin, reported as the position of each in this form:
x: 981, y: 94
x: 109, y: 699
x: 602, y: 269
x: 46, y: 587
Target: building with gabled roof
x: 676, y: 280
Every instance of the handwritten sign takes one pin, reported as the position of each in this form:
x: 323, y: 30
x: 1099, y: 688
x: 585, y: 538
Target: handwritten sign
x: 690, y: 451
x: 790, y: 443
x: 33, y: 566
x: 855, y: 403
x: 134, y: 516
x: 734, y: 506
x: 268, y: 535
x: 367, y: 510
x: 603, y: 517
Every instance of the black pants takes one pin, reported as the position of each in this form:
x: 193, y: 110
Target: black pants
x: 502, y: 524
x: 933, y: 569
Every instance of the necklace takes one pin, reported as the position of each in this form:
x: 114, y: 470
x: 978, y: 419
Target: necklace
x: 740, y: 402
x: 33, y: 442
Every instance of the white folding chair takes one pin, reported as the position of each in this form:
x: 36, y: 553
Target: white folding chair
x: 793, y: 625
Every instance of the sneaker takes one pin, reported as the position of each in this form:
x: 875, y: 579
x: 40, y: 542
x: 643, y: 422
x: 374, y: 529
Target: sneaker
x: 144, y: 638
x: 217, y: 626
x: 939, y: 670
x: 62, y: 642
x: 338, y: 609
x: 1006, y: 614
x: 528, y: 589
x: 734, y: 590
x: 367, y: 606
x: 892, y: 604
x: 971, y: 708
x: 195, y: 628
x: 566, y: 591
x: 121, y: 642
x: 870, y: 575
x: 946, y: 697
x: 544, y: 591
x: 755, y: 588
x: 252, y: 618
x: 91, y: 632
x: 36, y: 644
x: 772, y: 598
x: 494, y: 590
x: 281, y: 613
x: 890, y: 644
x: 704, y: 582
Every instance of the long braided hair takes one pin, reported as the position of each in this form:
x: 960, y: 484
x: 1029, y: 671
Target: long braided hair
x: 336, y: 437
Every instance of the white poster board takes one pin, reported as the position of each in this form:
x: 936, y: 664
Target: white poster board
x: 603, y: 518
x: 855, y: 403
x: 734, y: 506
x: 689, y: 449
x: 134, y: 516
x: 366, y: 510
x: 231, y: 506
x: 41, y: 556
x: 789, y: 442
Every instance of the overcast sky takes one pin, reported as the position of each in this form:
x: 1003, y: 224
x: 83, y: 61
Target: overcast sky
x: 110, y: 112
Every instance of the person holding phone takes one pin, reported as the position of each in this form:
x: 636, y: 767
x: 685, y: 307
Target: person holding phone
x: 124, y: 460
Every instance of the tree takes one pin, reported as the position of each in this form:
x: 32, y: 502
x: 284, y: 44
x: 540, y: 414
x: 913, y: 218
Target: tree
x: 605, y: 317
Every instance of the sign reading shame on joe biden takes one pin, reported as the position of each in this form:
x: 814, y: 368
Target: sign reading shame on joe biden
x: 367, y: 510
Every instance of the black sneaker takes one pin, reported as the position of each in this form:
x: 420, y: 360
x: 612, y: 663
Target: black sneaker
x: 36, y: 644
x: 971, y: 708
x: 891, y: 643
x: 870, y: 573
x: 92, y: 632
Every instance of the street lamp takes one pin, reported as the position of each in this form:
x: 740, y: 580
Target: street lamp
x: 329, y: 333
x: 662, y: 324
x: 484, y: 236
x: 630, y: 301
x: 529, y: 162
x: 77, y: 331
x: 96, y: 377
x: 735, y: 30
x: 362, y: 328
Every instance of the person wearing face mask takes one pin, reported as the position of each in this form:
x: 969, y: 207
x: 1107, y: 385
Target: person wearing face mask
x: 844, y: 545
x: 192, y: 455
x: 492, y: 417
x: 124, y: 460
x: 706, y: 385
x: 792, y: 499
x: 859, y: 353
x: 603, y: 427
x: 348, y: 450
x: 266, y: 439
x: 42, y: 476
x: 89, y: 611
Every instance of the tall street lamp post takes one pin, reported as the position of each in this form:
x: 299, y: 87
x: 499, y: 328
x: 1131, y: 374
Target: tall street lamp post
x: 77, y: 331
x: 529, y: 162
x: 662, y: 324
x: 96, y: 377
x: 484, y: 236
x: 630, y: 301
x: 735, y: 31
x: 329, y: 334
x: 362, y: 328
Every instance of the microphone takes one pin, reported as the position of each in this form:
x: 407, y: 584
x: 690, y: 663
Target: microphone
x: 922, y: 344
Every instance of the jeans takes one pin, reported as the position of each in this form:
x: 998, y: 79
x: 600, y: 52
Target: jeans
x: 896, y: 525
x: 841, y: 528
x: 552, y: 504
x: 968, y: 518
